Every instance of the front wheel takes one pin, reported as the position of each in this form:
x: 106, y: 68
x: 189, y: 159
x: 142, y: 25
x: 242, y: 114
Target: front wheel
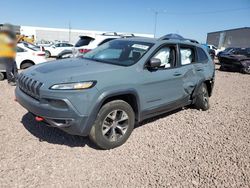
x: 202, y: 98
x: 114, y: 124
x: 246, y: 70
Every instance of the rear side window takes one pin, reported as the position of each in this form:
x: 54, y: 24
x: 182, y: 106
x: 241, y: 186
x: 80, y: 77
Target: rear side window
x: 187, y: 55
x: 202, y: 56
x: 83, y: 41
x: 18, y: 49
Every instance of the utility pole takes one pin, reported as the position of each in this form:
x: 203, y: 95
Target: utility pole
x: 69, y: 31
x: 156, y: 13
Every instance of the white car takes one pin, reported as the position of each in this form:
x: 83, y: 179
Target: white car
x: 56, y: 49
x: 44, y: 43
x: 28, y: 56
x: 215, y: 49
x: 86, y: 43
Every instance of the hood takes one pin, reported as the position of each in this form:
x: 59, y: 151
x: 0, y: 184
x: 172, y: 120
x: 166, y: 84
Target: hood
x: 73, y: 69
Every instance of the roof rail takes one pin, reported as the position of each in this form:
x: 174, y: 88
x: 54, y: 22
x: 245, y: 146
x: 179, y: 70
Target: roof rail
x: 110, y: 33
x: 127, y: 35
x: 177, y: 37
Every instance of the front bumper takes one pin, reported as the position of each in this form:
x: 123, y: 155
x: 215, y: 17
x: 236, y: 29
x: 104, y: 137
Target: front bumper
x: 58, y: 113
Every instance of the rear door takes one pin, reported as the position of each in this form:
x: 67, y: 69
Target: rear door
x: 187, y: 69
x: 203, y: 66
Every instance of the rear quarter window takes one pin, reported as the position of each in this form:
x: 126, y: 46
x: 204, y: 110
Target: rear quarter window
x: 83, y: 41
x: 202, y: 56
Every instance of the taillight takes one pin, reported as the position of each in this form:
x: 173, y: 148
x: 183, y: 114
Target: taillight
x: 83, y: 51
x: 43, y: 54
x: 43, y: 48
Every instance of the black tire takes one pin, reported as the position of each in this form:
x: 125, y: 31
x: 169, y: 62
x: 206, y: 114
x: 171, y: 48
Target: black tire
x: 202, y: 98
x: 26, y: 65
x: 47, y: 54
x: 1, y: 76
x: 105, y: 140
x: 222, y: 68
x: 245, y: 70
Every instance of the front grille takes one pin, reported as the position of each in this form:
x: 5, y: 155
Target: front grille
x: 29, y: 86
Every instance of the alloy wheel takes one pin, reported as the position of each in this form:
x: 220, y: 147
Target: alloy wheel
x: 115, y: 125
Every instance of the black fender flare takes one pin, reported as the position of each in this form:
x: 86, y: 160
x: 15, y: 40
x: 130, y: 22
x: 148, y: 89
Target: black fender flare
x: 196, y: 89
x: 104, y: 96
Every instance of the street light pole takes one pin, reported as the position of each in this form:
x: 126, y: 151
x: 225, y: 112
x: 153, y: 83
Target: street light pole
x: 156, y: 13
x: 69, y: 31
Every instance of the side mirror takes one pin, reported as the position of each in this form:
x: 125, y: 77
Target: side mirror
x: 154, y: 63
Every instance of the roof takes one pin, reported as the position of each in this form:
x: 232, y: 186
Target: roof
x: 229, y: 30
x: 156, y: 40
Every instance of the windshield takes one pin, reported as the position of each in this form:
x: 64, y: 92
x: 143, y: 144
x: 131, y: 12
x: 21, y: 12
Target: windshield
x: 119, y: 52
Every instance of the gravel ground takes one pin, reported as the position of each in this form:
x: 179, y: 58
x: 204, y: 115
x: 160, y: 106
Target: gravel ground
x: 186, y: 148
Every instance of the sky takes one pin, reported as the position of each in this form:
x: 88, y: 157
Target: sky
x: 189, y: 18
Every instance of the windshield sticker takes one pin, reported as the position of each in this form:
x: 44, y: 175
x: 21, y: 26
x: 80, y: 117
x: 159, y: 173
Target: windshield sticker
x: 140, y: 46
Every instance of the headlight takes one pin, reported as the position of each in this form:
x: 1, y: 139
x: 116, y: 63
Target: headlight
x: 74, y: 86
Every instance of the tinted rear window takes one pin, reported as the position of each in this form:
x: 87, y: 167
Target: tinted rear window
x: 83, y: 41
x: 202, y: 56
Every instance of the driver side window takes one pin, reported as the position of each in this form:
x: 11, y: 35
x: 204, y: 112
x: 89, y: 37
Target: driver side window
x: 166, y: 55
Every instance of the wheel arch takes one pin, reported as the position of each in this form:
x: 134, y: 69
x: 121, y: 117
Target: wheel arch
x: 209, y: 83
x: 26, y: 61
x: 130, y: 96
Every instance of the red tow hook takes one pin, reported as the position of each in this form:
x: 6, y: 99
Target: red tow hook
x: 39, y: 119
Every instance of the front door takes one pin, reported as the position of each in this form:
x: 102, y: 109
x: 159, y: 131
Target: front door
x: 162, y: 87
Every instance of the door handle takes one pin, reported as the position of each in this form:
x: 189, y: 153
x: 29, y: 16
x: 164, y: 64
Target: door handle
x: 177, y: 74
x: 199, y: 69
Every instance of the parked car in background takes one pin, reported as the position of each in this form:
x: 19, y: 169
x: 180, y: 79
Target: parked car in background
x: 31, y: 47
x: 44, y: 43
x: 27, y: 55
x: 211, y: 51
x: 65, y: 54
x: 106, y: 91
x: 55, y: 49
x: 235, y: 59
x: 225, y: 51
x: 217, y: 50
x: 86, y: 44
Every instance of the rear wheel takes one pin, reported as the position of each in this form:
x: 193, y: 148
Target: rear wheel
x: 114, y: 124
x: 1, y: 76
x: 47, y: 54
x: 202, y: 99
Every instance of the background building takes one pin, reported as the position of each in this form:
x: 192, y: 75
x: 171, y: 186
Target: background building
x: 239, y: 37
x: 57, y: 34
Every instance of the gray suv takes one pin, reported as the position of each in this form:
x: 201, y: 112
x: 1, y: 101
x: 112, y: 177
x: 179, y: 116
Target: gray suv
x: 107, y: 91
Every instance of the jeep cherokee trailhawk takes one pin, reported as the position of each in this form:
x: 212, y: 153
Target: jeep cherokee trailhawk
x: 104, y: 93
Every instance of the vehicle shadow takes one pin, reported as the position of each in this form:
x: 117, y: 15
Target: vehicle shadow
x: 53, y: 135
